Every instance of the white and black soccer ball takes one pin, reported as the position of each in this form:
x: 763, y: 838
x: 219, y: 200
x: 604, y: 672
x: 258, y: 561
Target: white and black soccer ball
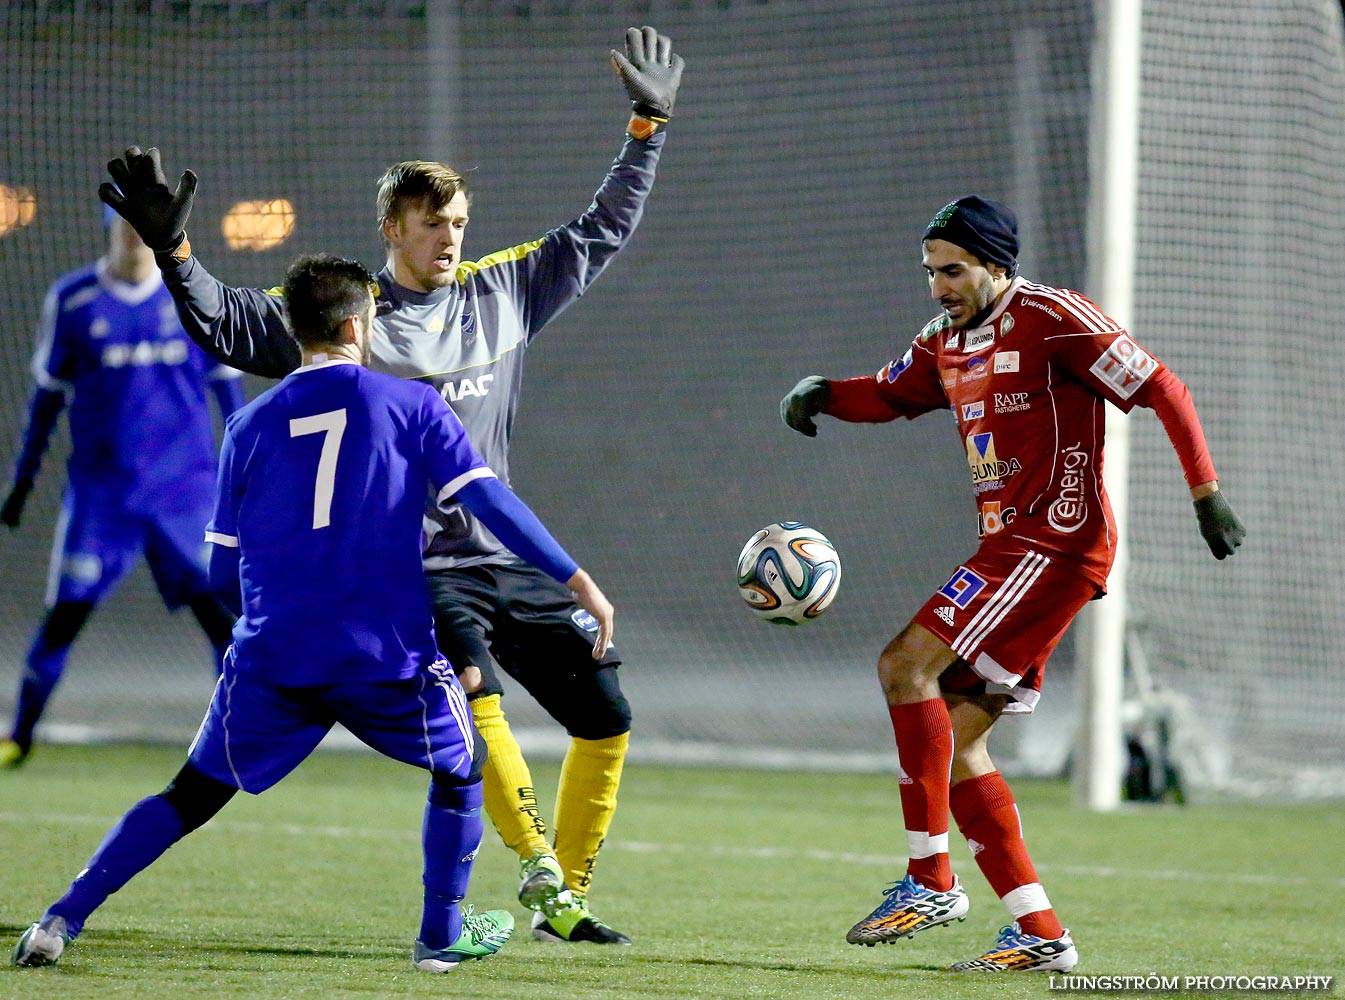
x: 788, y: 573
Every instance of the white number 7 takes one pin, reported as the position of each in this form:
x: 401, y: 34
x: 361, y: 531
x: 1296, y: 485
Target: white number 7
x: 331, y: 424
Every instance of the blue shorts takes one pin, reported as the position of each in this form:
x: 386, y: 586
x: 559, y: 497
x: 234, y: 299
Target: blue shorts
x: 255, y: 733
x: 98, y: 542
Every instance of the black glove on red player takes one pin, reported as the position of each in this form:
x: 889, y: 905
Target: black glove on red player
x: 1219, y: 526
x: 803, y: 402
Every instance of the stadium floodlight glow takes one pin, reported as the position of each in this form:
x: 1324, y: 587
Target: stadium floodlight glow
x: 258, y: 225
x: 17, y: 208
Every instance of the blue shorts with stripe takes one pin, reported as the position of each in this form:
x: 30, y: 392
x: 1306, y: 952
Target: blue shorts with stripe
x: 255, y: 733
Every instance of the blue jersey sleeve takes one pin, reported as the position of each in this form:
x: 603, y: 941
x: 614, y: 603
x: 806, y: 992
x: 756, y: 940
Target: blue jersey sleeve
x: 54, y: 369
x: 55, y: 361
x: 223, y: 526
x: 459, y: 473
x: 222, y: 531
x: 514, y: 523
x: 42, y: 416
x: 450, y: 458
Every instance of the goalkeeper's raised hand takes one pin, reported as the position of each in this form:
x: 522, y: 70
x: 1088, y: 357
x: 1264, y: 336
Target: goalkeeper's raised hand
x: 1219, y: 526
x: 803, y: 402
x: 140, y: 194
x: 651, y: 72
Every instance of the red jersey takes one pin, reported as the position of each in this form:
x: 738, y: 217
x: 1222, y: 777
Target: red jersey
x: 1027, y: 388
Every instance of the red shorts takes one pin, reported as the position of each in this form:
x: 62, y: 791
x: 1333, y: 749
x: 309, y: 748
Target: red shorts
x: 1002, y: 613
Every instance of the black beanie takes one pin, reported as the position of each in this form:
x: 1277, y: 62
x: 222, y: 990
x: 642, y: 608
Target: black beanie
x: 986, y: 229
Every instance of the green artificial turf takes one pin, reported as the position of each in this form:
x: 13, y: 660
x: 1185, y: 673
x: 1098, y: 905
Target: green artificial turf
x: 734, y: 884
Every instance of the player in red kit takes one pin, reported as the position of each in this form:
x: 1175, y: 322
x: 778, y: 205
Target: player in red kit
x: 1026, y: 369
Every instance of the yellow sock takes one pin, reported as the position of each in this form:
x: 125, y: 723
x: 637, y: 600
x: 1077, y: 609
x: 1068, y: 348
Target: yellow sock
x: 506, y: 783
x: 585, y: 803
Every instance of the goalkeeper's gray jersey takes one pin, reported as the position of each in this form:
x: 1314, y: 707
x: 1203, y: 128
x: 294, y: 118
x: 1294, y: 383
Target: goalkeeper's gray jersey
x: 468, y: 340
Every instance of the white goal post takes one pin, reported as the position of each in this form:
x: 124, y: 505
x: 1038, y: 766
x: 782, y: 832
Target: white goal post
x: 1114, y: 163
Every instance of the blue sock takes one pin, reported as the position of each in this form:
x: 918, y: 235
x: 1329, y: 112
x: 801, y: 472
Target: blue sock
x: 143, y: 834
x: 451, y: 835
x: 44, y: 668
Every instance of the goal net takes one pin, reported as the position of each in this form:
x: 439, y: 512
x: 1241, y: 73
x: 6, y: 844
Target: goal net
x: 1239, y: 265
x: 812, y: 142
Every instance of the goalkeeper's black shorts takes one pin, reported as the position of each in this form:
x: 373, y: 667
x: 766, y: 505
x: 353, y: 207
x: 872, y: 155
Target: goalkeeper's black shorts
x: 516, y: 619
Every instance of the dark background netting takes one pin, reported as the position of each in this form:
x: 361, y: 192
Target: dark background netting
x: 812, y: 142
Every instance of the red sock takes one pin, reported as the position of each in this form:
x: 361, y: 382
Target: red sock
x: 925, y: 745
x: 987, y: 816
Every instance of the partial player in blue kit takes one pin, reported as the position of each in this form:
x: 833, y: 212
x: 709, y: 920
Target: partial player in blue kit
x: 141, y: 470
x: 317, y: 530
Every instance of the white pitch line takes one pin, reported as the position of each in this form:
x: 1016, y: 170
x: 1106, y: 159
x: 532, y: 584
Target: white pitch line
x: 891, y: 861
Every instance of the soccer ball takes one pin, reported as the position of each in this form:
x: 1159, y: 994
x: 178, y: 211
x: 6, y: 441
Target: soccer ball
x: 788, y: 573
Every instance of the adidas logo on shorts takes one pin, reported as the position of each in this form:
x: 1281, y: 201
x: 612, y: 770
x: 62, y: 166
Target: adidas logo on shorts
x: 946, y: 613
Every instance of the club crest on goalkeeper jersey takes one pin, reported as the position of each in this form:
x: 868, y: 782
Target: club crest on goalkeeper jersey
x: 322, y: 486
x: 136, y: 386
x: 1027, y: 389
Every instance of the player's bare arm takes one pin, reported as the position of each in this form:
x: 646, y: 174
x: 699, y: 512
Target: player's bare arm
x: 595, y: 602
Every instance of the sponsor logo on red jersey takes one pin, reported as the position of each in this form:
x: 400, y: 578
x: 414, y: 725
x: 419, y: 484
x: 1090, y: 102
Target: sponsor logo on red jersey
x: 1036, y: 304
x: 979, y: 340
x: 988, y: 470
x: 994, y: 518
x: 1124, y: 366
x: 962, y: 587
x: 975, y: 369
x: 1069, y: 510
x: 890, y: 371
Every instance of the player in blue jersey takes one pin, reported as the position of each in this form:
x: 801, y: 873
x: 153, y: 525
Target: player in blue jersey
x: 142, y: 464
x: 317, y: 530
x: 464, y: 328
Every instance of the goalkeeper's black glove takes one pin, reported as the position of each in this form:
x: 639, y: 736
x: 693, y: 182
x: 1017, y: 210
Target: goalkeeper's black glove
x: 1219, y: 526
x: 12, y: 512
x: 651, y: 72
x: 141, y: 196
x: 803, y: 402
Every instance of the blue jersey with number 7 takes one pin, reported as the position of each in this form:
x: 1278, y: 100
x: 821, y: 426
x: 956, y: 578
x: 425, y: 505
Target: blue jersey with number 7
x: 321, y: 489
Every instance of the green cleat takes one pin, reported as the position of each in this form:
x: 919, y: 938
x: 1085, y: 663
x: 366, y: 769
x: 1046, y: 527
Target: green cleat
x: 483, y: 934
x: 573, y: 922
x: 540, y: 882
x: 41, y: 945
x: 12, y: 755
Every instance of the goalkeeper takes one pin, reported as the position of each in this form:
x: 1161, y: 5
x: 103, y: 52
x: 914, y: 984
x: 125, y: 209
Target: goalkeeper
x: 464, y: 327
x: 1026, y: 369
